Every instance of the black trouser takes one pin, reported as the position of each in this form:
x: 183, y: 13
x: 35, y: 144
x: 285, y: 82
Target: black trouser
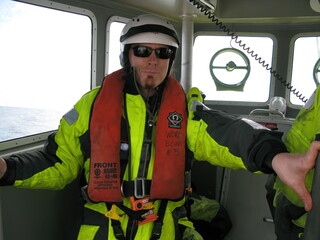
x: 284, y: 213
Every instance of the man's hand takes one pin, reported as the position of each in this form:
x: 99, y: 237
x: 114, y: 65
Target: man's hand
x: 3, y: 167
x: 292, y: 169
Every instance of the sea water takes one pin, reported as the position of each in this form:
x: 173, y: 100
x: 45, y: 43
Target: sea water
x: 17, y: 122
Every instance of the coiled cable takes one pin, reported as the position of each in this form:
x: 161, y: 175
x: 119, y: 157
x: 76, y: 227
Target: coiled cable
x: 247, y: 49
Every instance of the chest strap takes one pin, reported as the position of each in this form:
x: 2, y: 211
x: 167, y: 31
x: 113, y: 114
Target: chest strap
x: 139, y: 188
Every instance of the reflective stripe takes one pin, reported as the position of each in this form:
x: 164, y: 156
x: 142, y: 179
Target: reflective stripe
x: 71, y: 116
x: 254, y: 125
x: 196, y: 103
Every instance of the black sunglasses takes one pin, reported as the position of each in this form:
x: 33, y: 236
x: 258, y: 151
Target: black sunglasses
x: 144, y: 51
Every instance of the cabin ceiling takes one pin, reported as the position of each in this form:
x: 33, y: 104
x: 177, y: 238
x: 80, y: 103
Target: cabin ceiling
x: 229, y: 11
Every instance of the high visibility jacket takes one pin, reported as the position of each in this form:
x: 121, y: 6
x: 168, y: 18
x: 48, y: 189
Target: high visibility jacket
x: 297, y: 140
x: 211, y: 136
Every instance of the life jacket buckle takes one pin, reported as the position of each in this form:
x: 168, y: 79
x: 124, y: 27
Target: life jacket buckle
x: 112, y: 213
x: 141, y: 205
x: 139, y: 187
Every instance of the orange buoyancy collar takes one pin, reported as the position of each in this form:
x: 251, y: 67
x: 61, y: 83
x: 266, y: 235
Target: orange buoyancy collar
x: 170, y: 141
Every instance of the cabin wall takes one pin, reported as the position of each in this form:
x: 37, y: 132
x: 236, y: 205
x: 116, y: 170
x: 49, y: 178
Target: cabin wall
x: 273, y: 10
x: 283, y: 34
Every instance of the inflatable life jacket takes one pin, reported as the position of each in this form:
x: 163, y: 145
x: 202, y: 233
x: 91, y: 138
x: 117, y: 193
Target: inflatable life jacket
x: 105, y: 125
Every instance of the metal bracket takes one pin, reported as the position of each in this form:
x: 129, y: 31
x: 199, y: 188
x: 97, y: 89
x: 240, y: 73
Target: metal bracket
x: 139, y: 181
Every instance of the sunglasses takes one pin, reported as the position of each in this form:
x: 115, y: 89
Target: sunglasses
x: 143, y: 51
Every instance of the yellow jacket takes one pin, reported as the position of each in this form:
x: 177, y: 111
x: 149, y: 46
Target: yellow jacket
x: 212, y: 136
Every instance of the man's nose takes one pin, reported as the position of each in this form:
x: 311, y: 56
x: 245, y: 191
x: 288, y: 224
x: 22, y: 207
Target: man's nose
x: 153, y: 58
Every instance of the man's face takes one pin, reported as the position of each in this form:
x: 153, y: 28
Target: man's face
x: 150, y: 71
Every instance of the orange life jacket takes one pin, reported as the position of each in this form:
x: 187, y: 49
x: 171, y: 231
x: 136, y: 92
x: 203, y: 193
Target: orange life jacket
x: 105, y: 127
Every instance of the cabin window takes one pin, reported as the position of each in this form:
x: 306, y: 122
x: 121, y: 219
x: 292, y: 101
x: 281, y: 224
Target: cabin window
x: 114, y: 28
x: 225, y: 72
x: 305, y: 73
x: 45, y: 64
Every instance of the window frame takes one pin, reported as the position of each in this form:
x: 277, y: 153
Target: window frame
x: 290, y: 66
x: 272, y: 64
x: 33, y: 141
x: 107, y: 55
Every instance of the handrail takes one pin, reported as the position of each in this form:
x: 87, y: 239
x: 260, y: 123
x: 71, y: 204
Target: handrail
x: 312, y: 229
x: 266, y: 111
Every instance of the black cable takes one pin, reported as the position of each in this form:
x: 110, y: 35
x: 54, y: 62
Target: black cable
x: 242, y: 45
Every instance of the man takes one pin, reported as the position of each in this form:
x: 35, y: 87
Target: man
x: 289, y: 214
x: 132, y: 136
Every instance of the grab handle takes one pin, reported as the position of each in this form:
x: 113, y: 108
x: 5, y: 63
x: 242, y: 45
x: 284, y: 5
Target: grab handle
x: 312, y: 229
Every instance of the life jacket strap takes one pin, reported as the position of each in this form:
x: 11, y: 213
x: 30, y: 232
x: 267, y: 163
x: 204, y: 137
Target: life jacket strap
x: 140, y: 188
x: 94, y: 218
x: 133, y: 214
x: 157, y: 226
x: 116, y: 225
x: 136, y: 215
x: 117, y: 230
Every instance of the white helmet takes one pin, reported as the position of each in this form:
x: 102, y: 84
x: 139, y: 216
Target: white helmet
x: 149, y: 29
